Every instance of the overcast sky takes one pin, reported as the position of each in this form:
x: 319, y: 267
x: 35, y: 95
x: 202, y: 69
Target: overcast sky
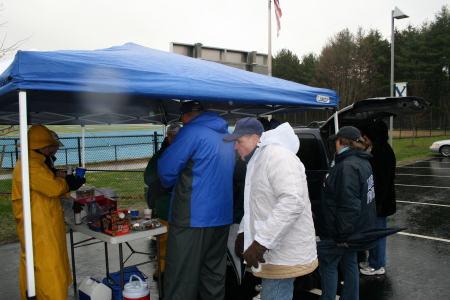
x: 306, y: 26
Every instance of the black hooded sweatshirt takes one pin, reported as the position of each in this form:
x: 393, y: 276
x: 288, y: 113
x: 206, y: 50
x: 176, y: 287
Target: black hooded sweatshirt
x: 383, y: 167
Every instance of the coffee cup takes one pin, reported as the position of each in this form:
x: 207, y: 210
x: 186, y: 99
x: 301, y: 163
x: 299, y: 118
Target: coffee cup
x: 79, y: 172
x: 69, y: 170
x: 147, y: 213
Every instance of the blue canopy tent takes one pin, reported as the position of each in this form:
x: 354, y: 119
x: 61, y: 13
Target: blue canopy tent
x: 133, y: 84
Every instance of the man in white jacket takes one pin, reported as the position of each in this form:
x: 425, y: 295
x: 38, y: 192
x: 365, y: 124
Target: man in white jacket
x: 277, y: 230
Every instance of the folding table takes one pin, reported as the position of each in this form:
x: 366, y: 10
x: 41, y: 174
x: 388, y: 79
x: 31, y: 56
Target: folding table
x: 109, y: 239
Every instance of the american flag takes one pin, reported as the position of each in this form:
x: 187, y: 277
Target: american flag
x: 278, y: 14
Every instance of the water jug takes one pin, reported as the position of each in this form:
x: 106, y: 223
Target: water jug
x: 136, y: 290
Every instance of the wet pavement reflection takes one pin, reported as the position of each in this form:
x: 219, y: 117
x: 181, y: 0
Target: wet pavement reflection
x: 418, y: 259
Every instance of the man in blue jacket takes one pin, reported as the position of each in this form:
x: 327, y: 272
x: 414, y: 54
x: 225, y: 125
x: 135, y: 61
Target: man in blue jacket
x: 199, y: 167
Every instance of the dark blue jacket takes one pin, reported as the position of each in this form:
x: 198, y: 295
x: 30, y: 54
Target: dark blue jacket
x: 348, y: 197
x: 199, y: 165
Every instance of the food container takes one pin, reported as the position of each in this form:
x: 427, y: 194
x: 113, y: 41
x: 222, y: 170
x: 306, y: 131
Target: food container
x: 85, y: 192
x: 96, y: 196
x: 145, y: 224
x: 107, y: 192
x: 116, y: 222
x: 96, y: 226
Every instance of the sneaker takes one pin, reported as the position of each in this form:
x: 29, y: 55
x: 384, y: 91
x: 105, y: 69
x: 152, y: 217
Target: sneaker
x: 257, y: 297
x: 364, y: 264
x: 372, y: 271
x: 258, y: 288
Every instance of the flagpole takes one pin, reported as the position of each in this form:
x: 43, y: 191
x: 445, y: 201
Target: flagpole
x: 269, y: 52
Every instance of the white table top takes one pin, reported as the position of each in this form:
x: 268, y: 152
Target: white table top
x: 133, y: 235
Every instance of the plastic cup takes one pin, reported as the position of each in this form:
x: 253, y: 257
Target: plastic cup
x: 79, y: 172
x: 69, y: 170
x: 147, y: 213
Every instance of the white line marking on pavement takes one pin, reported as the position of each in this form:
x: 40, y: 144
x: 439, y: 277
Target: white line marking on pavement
x: 420, y: 175
x: 424, y: 237
x: 424, y: 186
x: 443, y: 205
x: 410, y: 167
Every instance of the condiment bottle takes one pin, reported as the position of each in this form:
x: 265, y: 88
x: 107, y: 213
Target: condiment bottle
x: 77, y: 216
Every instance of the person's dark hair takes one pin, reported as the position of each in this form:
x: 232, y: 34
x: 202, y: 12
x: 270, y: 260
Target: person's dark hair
x: 265, y: 123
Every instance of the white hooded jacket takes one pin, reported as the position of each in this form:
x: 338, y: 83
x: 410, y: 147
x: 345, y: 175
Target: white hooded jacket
x: 276, y: 202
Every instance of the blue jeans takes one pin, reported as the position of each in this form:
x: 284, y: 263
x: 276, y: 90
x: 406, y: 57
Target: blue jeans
x: 329, y: 277
x: 377, y: 255
x: 277, y: 289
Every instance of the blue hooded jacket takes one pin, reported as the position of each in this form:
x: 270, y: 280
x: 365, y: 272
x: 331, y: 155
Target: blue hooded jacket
x: 199, y: 165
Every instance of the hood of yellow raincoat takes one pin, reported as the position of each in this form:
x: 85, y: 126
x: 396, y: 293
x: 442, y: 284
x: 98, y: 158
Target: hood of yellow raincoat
x: 39, y: 137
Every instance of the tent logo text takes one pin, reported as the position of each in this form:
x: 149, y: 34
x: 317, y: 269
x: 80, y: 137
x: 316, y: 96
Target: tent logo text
x: 323, y: 99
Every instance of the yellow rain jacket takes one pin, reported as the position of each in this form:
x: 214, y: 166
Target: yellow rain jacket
x: 51, y: 262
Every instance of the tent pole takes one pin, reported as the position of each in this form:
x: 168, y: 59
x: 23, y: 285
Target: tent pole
x: 269, y: 39
x: 336, y: 122
x: 31, y: 288
x: 83, y: 162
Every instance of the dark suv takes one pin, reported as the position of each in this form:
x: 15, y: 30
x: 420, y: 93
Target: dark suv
x: 316, y: 153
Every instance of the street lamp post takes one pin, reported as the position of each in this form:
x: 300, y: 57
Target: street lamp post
x: 396, y: 14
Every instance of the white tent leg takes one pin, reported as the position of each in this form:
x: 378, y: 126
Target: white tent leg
x: 31, y: 288
x: 336, y: 122
x: 83, y: 161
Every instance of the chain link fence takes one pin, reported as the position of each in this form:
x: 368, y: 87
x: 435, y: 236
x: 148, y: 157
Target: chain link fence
x: 115, y: 161
x: 420, y: 125
x: 118, y: 161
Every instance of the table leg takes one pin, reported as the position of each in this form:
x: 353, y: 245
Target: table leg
x: 121, y: 267
x: 106, y: 260
x: 74, y: 273
x: 158, y: 258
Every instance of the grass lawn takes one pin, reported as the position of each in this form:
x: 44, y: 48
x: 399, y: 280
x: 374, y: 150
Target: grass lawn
x: 131, y: 183
x: 408, y: 149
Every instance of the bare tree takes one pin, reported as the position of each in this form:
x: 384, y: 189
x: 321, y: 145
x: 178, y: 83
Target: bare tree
x: 347, y: 65
x: 4, y: 49
x: 8, y: 129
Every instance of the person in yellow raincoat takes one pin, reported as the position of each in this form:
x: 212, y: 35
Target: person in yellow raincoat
x: 51, y: 262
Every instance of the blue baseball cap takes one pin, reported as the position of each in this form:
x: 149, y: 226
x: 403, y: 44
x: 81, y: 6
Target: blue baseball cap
x: 245, y: 126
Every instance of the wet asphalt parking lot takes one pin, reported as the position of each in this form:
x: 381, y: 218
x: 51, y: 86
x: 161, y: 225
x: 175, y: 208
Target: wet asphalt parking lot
x: 418, y: 259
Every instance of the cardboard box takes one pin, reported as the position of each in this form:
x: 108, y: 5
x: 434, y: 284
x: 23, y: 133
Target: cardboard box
x: 113, y: 224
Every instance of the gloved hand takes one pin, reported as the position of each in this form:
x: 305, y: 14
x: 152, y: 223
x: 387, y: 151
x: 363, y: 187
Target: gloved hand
x: 255, y: 254
x: 239, y: 245
x: 77, y: 205
x: 74, y: 182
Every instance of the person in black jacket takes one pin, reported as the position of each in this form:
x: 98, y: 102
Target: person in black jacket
x: 158, y: 197
x: 383, y: 167
x: 348, y: 204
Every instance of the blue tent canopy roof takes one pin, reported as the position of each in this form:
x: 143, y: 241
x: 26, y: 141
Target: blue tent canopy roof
x: 135, y: 84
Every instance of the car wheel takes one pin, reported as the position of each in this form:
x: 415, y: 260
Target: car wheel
x: 445, y: 150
